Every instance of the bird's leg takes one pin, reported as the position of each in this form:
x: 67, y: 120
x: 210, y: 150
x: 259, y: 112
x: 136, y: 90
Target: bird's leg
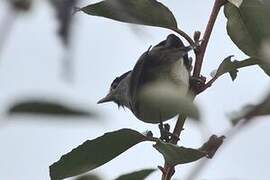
x: 197, y: 84
x: 164, y: 131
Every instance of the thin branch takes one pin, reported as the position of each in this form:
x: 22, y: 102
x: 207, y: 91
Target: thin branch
x: 184, y: 35
x: 201, y: 51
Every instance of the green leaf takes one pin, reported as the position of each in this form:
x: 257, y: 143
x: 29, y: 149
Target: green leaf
x: 144, y: 12
x: 137, y: 175
x: 175, y: 155
x: 248, y: 26
x: 237, y: 3
x: 88, y: 177
x: 94, y: 153
x: 46, y: 107
x: 178, y: 155
x: 231, y: 67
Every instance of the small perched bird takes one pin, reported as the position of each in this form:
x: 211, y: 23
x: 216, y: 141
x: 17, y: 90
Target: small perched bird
x: 167, y: 62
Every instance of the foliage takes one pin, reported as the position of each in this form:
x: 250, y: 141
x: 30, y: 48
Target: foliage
x: 249, y: 29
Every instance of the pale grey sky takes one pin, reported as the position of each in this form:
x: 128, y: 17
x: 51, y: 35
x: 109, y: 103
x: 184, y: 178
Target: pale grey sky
x: 30, y: 65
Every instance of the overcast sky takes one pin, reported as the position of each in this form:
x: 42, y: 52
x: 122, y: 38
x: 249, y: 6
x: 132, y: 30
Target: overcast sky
x: 31, y: 66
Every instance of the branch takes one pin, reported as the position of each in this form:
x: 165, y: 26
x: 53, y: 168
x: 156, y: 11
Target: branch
x: 185, y: 35
x: 169, y: 170
x: 201, y: 51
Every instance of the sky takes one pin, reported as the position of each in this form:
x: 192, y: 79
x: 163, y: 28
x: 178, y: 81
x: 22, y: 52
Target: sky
x: 31, y: 65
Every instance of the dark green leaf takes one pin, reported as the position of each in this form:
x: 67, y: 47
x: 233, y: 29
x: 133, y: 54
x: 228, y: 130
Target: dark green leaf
x: 137, y: 175
x: 265, y: 67
x: 174, y: 154
x: 178, y: 155
x: 88, y: 177
x: 231, y: 67
x: 94, y: 153
x: 237, y: 3
x: 144, y: 12
x: 248, y: 26
x: 44, y: 107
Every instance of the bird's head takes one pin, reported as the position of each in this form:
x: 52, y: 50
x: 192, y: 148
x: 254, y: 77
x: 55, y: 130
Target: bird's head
x: 118, y: 91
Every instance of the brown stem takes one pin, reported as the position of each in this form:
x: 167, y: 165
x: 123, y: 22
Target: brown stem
x: 201, y: 52
x: 169, y: 169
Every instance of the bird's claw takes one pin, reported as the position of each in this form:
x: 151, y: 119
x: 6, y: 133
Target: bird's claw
x: 165, y: 134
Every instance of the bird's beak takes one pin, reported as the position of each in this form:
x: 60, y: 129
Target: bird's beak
x: 107, y: 98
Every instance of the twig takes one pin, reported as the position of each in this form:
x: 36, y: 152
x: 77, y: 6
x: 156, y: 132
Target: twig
x: 168, y: 169
x: 184, y: 35
x: 201, y: 52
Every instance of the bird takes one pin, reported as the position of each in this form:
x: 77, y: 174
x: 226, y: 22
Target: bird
x: 168, y: 61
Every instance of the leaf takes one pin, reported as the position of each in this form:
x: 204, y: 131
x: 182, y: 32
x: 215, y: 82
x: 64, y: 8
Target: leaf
x: 166, y: 97
x: 21, y: 5
x: 178, y: 155
x: 252, y: 111
x: 88, y: 177
x: 64, y: 10
x: 137, y: 175
x: 237, y: 3
x: 175, y: 155
x: 46, y: 107
x: 231, y: 67
x: 94, y: 153
x: 144, y: 12
x: 248, y: 26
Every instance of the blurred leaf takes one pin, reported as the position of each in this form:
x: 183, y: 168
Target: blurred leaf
x: 251, y: 111
x: 137, y: 175
x: 231, y: 67
x: 166, y: 97
x: 265, y: 67
x: 144, y: 12
x: 44, y: 107
x: 178, y: 155
x: 21, y: 5
x: 248, y: 27
x: 88, y: 177
x: 175, y: 155
x: 64, y: 10
x: 237, y: 3
x: 94, y: 153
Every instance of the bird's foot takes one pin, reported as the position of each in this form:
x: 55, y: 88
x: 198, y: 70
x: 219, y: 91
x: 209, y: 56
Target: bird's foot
x: 197, y: 84
x: 165, y: 134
